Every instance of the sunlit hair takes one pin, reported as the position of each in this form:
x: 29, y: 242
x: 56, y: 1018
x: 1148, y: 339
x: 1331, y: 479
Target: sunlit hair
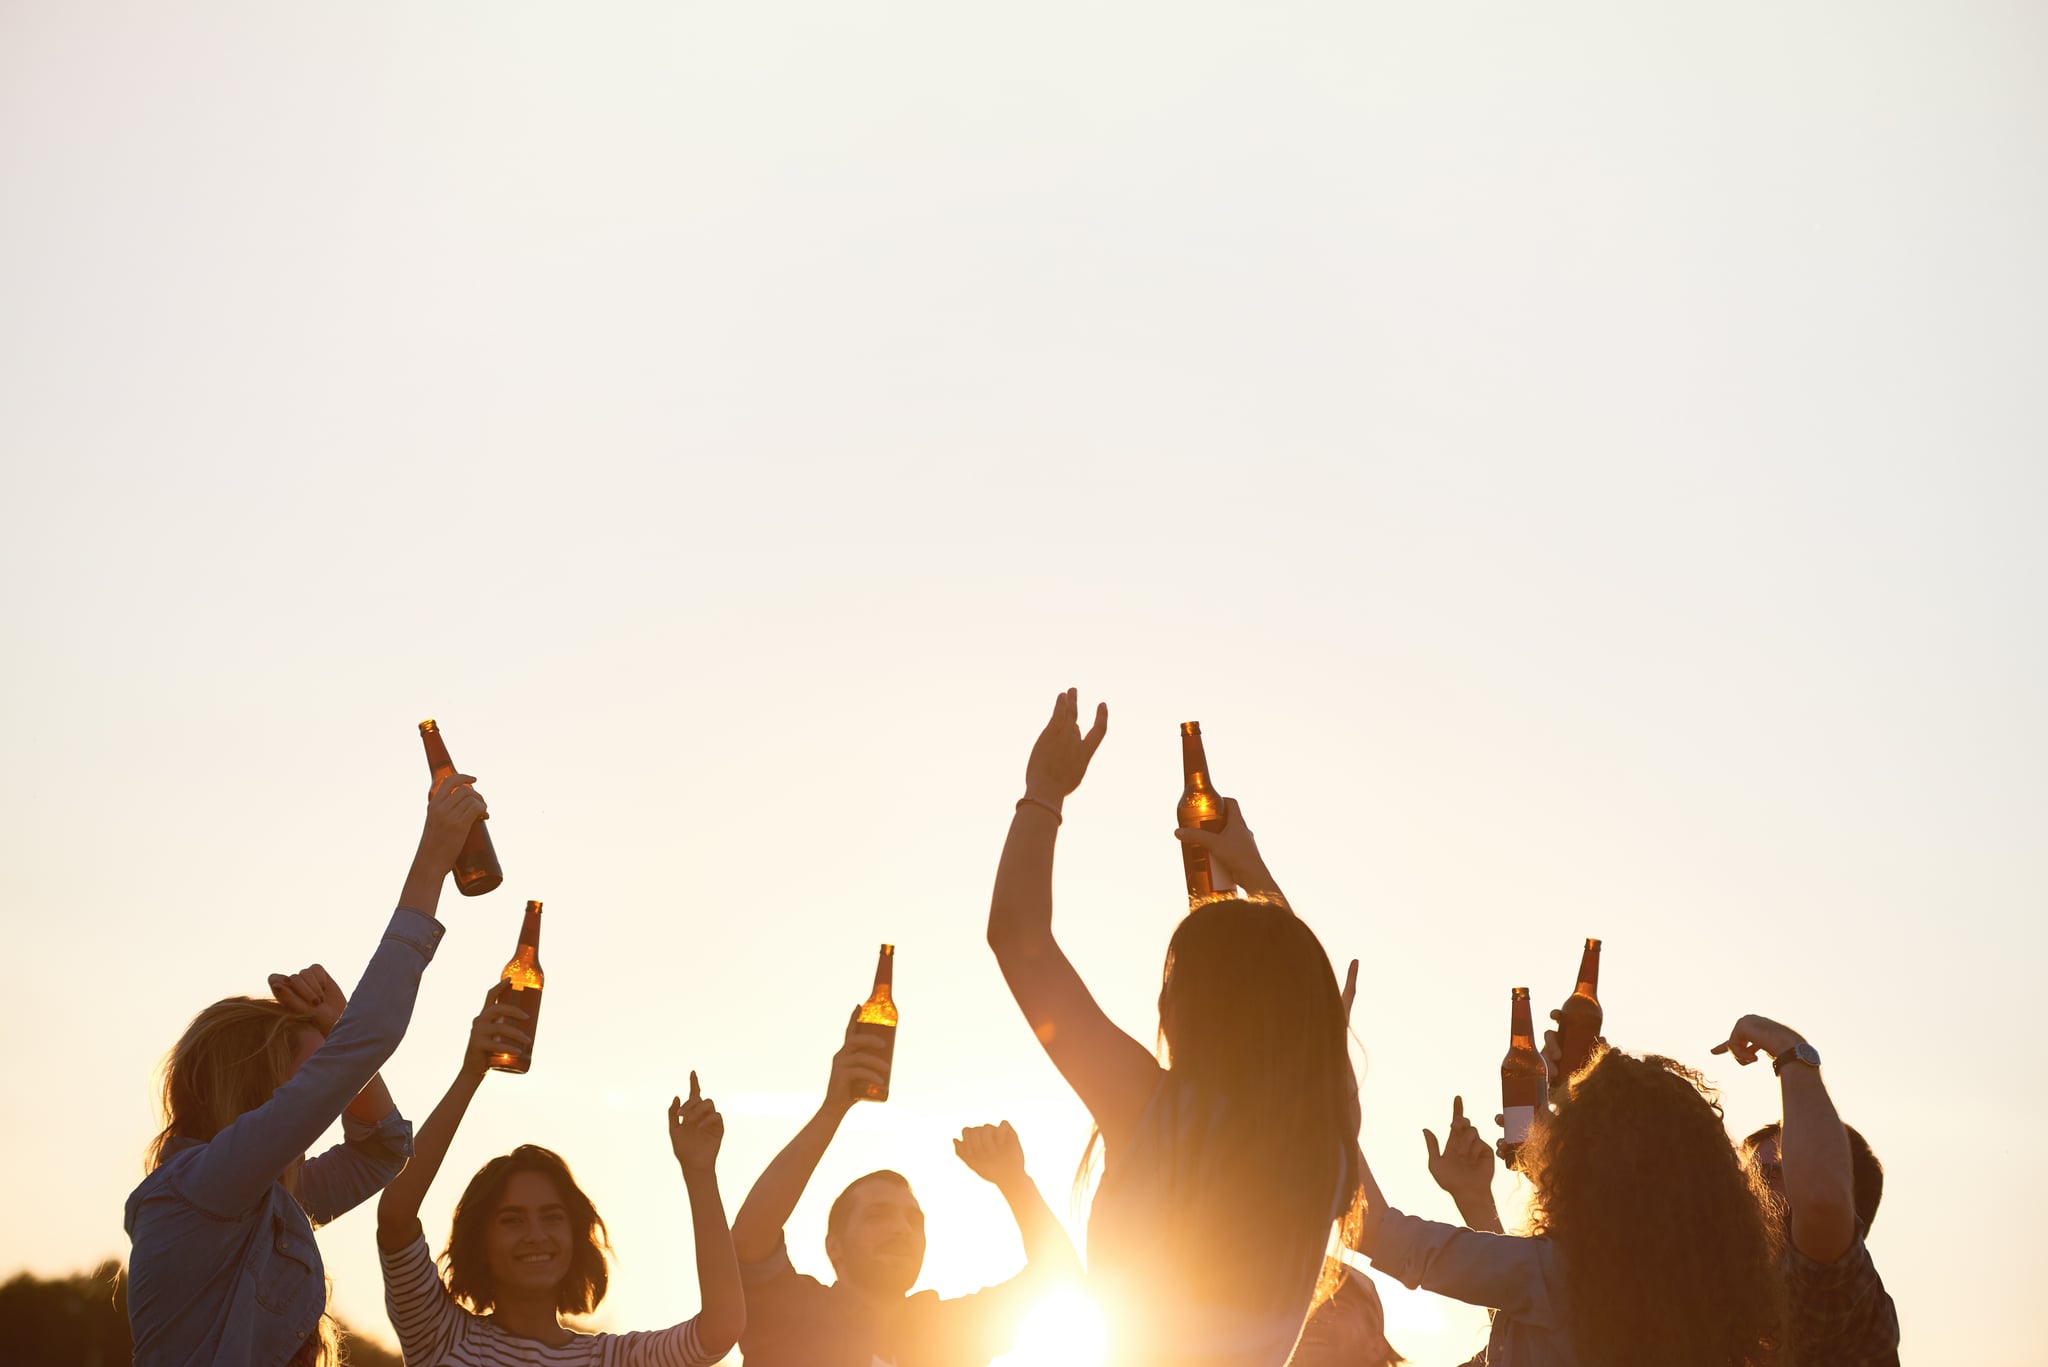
x: 841, y: 1213
x: 1252, y: 1031
x: 467, y: 1260
x: 230, y: 1059
x: 1671, y: 1254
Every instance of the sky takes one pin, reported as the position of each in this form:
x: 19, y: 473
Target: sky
x: 1583, y: 466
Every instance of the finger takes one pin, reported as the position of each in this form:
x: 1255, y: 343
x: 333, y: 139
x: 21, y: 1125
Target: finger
x: 1721, y: 1048
x: 696, y: 1092
x: 1501, y: 1121
x: 1097, y: 731
x: 1430, y: 1139
x: 1457, y: 1111
x: 1350, y: 988
x: 1188, y: 835
x: 1557, y: 1016
x: 675, y: 1110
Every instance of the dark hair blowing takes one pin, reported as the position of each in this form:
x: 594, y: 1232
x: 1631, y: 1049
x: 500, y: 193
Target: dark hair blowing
x: 1671, y: 1254
x: 468, y: 1265
x: 1257, y: 1047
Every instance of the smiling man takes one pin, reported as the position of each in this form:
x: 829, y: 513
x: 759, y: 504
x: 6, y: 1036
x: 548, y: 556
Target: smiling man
x: 874, y: 1238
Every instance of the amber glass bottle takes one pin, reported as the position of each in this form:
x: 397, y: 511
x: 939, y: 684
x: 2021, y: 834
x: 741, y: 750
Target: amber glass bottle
x: 1522, y: 1091
x: 1578, y: 1025
x: 519, y: 985
x: 878, y: 1018
x: 1201, y: 808
x: 476, y: 866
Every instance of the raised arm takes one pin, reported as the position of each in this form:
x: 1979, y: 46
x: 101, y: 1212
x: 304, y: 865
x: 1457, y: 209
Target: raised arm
x: 241, y: 1161
x: 1112, y: 1073
x: 496, y: 1028
x: 695, y: 1130
x: 997, y: 1157
x: 1813, y: 1146
x: 757, y: 1230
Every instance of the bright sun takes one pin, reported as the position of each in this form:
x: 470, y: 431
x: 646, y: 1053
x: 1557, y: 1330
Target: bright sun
x: 1063, y: 1330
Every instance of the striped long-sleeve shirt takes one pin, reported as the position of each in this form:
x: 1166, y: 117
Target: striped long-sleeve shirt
x: 434, y: 1331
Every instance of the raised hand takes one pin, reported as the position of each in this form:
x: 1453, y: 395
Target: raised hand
x: 1753, y: 1033
x: 497, y: 1029
x: 1059, y: 757
x: 1464, y: 1165
x: 310, y: 992
x: 993, y: 1151
x: 861, y: 1059
x: 1233, y: 847
x: 695, y: 1129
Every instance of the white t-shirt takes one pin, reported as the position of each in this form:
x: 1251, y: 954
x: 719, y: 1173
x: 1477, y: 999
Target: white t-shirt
x: 434, y: 1331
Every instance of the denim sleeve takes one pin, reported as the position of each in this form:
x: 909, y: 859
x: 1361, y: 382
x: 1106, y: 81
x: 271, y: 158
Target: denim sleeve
x: 1516, y: 1276
x: 356, y: 1169
x: 234, y: 1169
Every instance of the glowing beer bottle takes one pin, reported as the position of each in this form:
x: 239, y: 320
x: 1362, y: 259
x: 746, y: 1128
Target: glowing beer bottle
x: 476, y: 867
x: 519, y: 985
x: 1579, y: 1021
x: 1522, y: 1078
x: 878, y: 1018
x: 1201, y: 808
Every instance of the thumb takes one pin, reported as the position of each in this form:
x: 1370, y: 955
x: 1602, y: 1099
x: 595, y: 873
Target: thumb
x: 1429, y: 1138
x: 1190, y: 836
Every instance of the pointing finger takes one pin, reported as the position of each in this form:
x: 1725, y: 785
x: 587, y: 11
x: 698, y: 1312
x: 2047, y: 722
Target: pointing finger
x: 696, y: 1093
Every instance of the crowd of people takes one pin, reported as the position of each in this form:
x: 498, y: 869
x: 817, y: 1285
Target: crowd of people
x: 1229, y: 1181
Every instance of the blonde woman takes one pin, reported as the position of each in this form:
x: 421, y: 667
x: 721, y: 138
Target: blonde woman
x: 223, y: 1267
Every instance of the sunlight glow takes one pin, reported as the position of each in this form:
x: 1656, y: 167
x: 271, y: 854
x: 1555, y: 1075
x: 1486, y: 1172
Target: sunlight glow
x: 1063, y: 1330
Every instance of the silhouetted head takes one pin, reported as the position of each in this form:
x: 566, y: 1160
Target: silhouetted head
x: 230, y: 1059
x: 524, y: 1228
x: 874, y: 1234
x: 1760, y: 1152
x: 1671, y: 1254
x: 1347, y: 1330
x: 1253, y: 1029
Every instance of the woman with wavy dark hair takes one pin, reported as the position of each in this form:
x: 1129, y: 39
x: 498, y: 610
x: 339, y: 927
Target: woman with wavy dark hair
x: 528, y: 1247
x: 1228, y: 1162
x: 1649, y: 1242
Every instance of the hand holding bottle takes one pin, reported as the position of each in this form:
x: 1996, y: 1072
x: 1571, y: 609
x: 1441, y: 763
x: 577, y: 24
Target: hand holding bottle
x: 862, y: 1061
x: 452, y: 808
x: 498, y: 1029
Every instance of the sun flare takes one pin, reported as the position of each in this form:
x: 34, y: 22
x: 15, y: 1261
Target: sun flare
x: 1063, y: 1330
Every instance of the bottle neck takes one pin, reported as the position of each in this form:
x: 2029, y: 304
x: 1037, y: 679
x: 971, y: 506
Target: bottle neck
x: 885, y: 974
x: 1520, y: 1029
x: 437, y: 749
x: 1194, y: 764
x: 529, y: 930
x: 1589, y: 969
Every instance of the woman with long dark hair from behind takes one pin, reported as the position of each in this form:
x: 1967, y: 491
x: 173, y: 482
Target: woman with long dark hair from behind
x: 528, y: 1246
x: 223, y: 1267
x: 1225, y: 1168
x: 1649, y: 1241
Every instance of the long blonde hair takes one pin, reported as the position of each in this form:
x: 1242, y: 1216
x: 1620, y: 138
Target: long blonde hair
x: 230, y: 1059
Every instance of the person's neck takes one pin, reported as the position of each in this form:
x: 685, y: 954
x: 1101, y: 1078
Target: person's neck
x: 887, y: 1309
x: 531, y: 1317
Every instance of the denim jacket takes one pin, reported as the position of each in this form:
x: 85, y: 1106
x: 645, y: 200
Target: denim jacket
x: 223, y: 1268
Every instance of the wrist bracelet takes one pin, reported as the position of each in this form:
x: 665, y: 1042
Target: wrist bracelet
x: 1057, y: 819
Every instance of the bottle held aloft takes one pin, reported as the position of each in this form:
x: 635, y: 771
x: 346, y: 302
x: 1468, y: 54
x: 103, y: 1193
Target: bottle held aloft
x: 1579, y: 1021
x: 1522, y: 1078
x: 520, y: 985
x: 877, y: 1017
x: 476, y: 867
x: 1201, y: 808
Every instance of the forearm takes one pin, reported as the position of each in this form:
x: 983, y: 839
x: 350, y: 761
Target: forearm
x: 374, y: 1102
x: 422, y: 890
x: 1820, y: 1183
x: 723, y: 1316
x: 398, y: 1210
x: 1046, y: 1245
x: 1477, y: 1210
x: 1256, y: 880
x: 1021, y: 908
x: 757, y: 1231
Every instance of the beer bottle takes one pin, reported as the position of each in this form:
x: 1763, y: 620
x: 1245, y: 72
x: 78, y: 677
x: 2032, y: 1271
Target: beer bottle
x: 476, y: 867
x: 1201, y: 808
x: 519, y: 985
x: 878, y: 1018
x: 1522, y: 1077
x: 1579, y: 1021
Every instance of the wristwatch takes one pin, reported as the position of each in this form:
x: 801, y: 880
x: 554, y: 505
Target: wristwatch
x: 1801, y: 1052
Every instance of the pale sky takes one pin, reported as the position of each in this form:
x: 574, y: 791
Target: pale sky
x: 1582, y: 465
